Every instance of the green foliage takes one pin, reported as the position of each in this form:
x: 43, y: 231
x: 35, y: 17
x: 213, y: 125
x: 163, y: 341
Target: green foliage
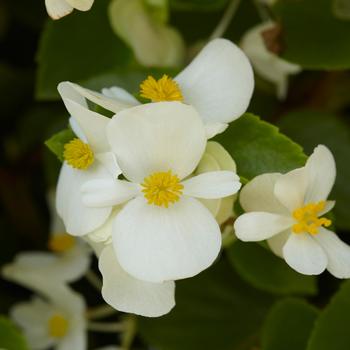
x: 264, y: 270
x: 10, y: 336
x: 331, y: 330
x: 76, y: 48
x: 257, y: 147
x: 215, y: 310
x: 198, y: 5
x: 288, y: 325
x: 341, y: 9
x: 56, y: 142
x: 312, y: 36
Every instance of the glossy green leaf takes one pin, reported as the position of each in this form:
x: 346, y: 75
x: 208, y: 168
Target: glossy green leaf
x: 264, y: 270
x: 10, y: 336
x: 215, y: 310
x: 258, y: 147
x: 288, y: 325
x: 56, y: 142
x: 331, y: 331
x: 78, y: 47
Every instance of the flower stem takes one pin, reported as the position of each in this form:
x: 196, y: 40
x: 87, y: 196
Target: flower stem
x: 94, y: 279
x: 106, y: 327
x: 100, y: 312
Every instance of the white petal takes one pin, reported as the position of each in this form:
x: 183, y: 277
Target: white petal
x: 277, y: 242
x: 58, y: 8
x: 290, y: 189
x: 221, y: 156
x: 76, y: 339
x: 303, y: 254
x: 77, y: 129
x: 119, y: 94
x: 108, y: 192
x: 219, y: 82
x: 157, y: 137
x: 211, y: 185
x: 157, y: 244
x: 109, y: 161
x: 328, y: 207
x: 213, y: 129
x: 78, y: 218
x: 258, y: 195
x: 320, y: 170
x: 127, y: 294
x: 82, y: 5
x: 257, y: 226
x: 337, y: 251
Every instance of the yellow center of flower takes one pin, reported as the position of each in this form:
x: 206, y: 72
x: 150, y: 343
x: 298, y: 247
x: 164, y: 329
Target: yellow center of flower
x: 162, y: 189
x: 61, y: 243
x: 58, y: 326
x: 308, y: 220
x: 163, y: 89
x: 78, y: 154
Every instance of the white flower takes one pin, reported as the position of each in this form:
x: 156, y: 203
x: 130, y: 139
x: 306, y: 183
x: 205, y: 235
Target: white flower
x: 60, y: 8
x: 55, y: 322
x: 287, y: 210
x: 162, y: 233
x: 218, y: 83
x: 268, y: 65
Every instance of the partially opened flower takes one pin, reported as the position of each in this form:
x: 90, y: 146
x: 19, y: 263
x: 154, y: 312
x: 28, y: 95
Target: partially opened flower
x: 288, y: 210
x: 267, y: 64
x: 60, y: 8
x: 163, y: 232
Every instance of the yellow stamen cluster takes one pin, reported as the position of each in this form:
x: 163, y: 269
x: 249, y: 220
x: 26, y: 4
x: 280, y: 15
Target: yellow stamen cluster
x: 308, y: 220
x: 162, y: 188
x: 78, y: 154
x: 163, y: 89
x: 61, y: 243
x: 58, y: 326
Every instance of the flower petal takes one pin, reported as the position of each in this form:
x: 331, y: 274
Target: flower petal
x: 58, y: 8
x: 157, y: 244
x: 257, y: 226
x: 120, y: 94
x: 320, y: 170
x: 213, y: 129
x: 157, y: 137
x: 81, y: 5
x: 109, y: 161
x: 78, y: 218
x: 213, y: 184
x: 127, y: 294
x: 304, y: 254
x: 76, y: 339
x: 337, y: 251
x: 277, y: 242
x: 219, y: 82
x: 258, y: 195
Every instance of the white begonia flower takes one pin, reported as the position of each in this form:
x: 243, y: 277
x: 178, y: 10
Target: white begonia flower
x: 218, y: 83
x: 60, y: 8
x: 287, y: 210
x: 267, y: 64
x: 163, y: 232
x: 57, y: 322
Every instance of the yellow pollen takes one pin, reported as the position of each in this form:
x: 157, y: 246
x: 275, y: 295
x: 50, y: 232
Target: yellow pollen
x: 308, y: 220
x: 58, y: 326
x: 163, y: 89
x: 162, y: 188
x: 61, y: 242
x: 78, y: 154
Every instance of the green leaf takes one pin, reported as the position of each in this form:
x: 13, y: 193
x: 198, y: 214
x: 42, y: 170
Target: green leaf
x: 10, y: 336
x: 257, y: 147
x: 197, y: 5
x: 215, y: 310
x: 288, y: 325
x: 311, y: 128
x: 78, y: 47
x: 341, y: 9
x: 56, y: 142
x: 264, y: 270
x: 331, y: 330
x: 312, y: 36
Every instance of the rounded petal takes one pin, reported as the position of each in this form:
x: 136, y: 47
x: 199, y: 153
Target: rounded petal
x: 290, y: 189
x: 81, y: 5
x: 157, y: 244
x: 258, y: 195
x: 58, y: 8
x: 109, y: 161
x: 221, y: 156
x: 157, y: 137
x: 78, y: 218
x: 337, y: 251
x: 213, y: 129
x: 277, y: 242
x: 213, y: 184
x: 257, y: 226
x: 119, y: 94
x: 127, y: 294
x: 303, y: 254
x: 219, y: 82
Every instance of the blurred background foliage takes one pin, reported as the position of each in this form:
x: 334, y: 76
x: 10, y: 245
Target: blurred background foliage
x: 250, y: 299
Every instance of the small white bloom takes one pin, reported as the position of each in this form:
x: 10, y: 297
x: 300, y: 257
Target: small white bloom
x: 287, y: 210
x: 60, y: 8
x: 163, y: 232
x: 268, y: 65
